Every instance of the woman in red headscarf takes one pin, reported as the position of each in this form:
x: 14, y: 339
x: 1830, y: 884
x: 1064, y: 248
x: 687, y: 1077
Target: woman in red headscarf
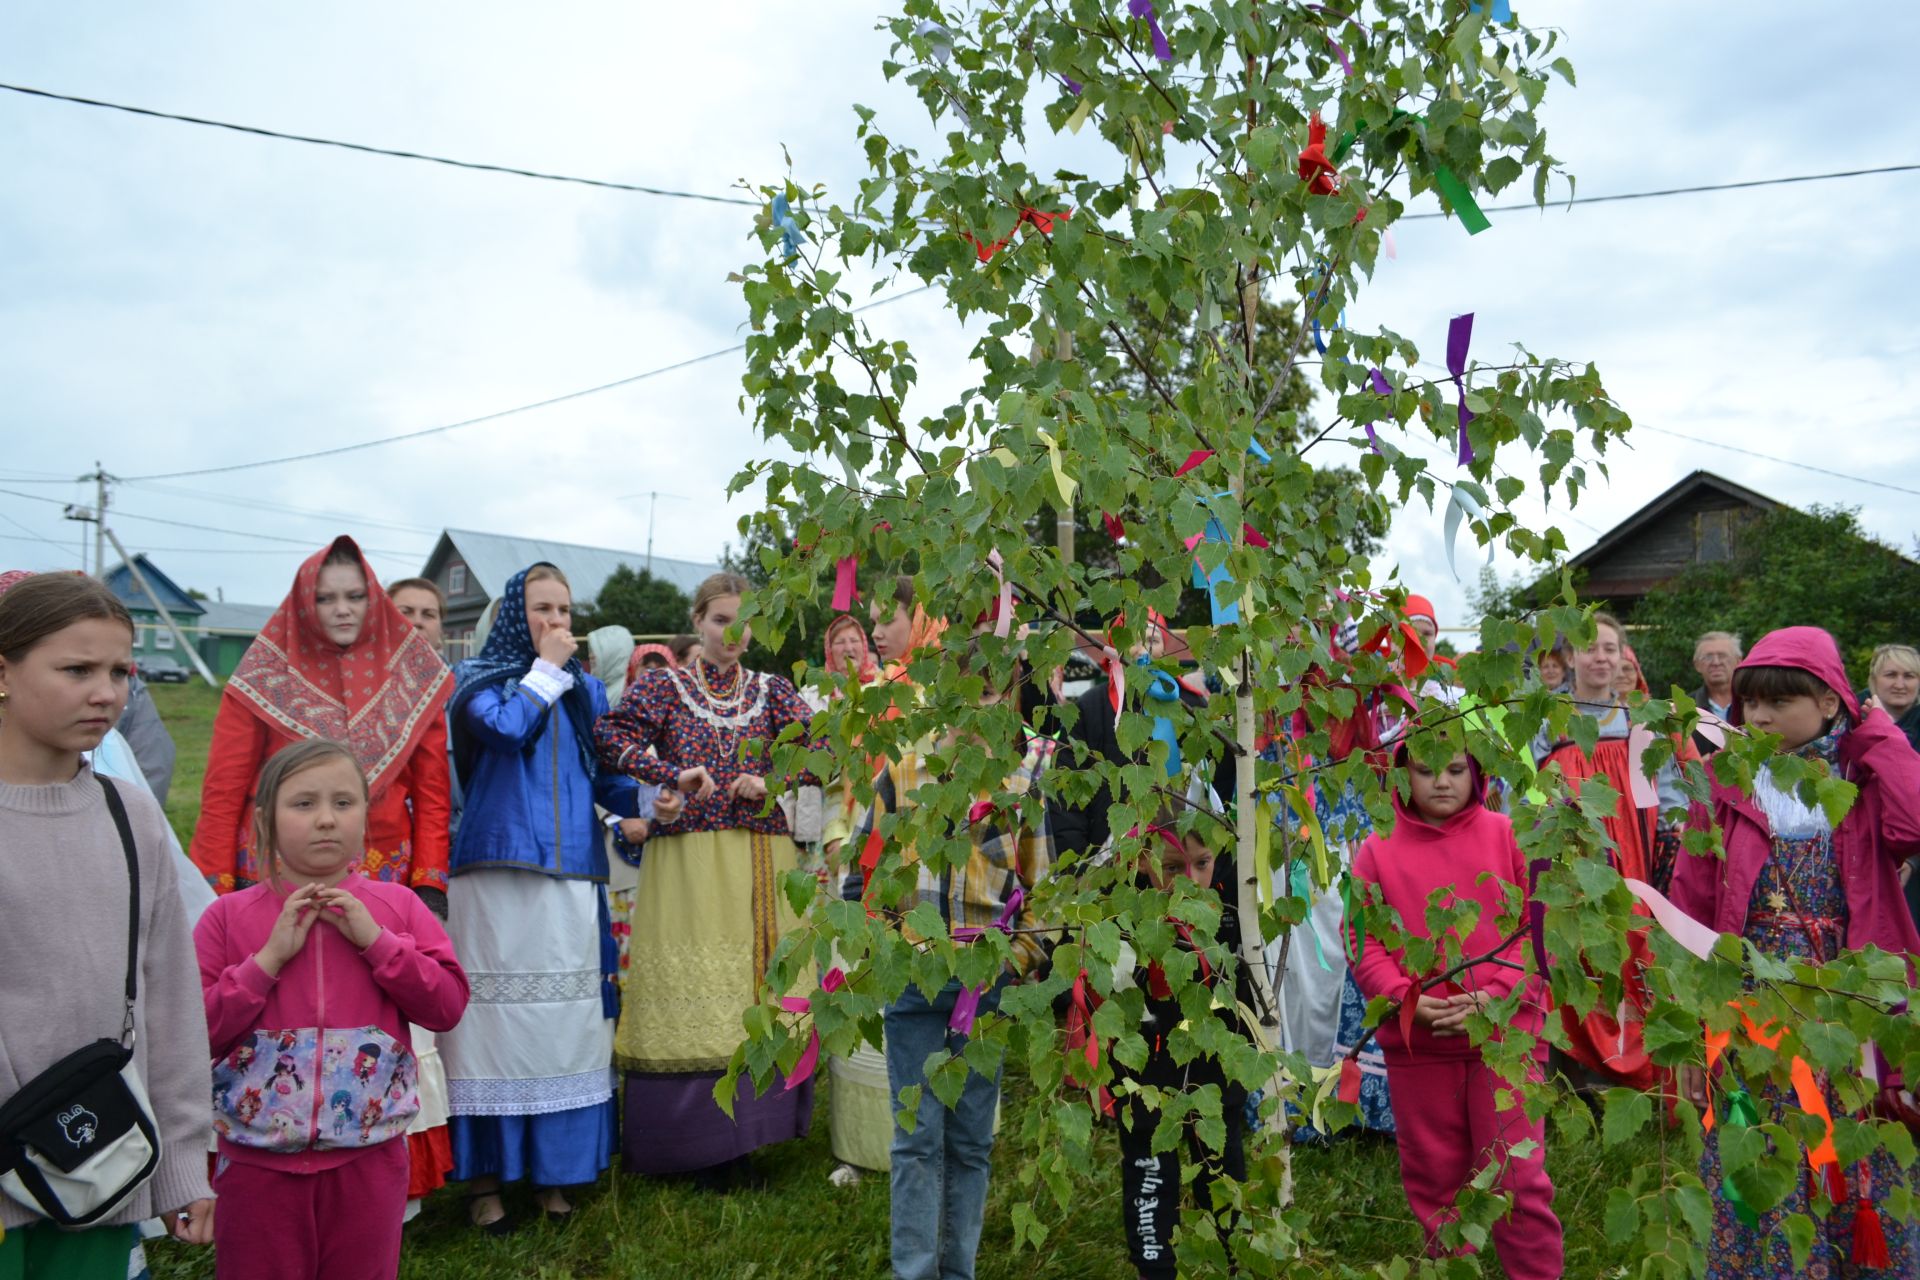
x: 336, y: 660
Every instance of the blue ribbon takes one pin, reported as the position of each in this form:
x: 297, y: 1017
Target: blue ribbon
x: 1502, y: 10
x: 789, y: 229
x: 1162, y: 687
x: 1217, y: 578
x: 1259, y: 451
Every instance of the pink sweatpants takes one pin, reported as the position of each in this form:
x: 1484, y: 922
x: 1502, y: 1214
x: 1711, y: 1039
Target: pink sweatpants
x: 341, y: 1224
x: 1449, y: 1126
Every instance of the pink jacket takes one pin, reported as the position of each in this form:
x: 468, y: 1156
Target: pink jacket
x: 1881, y: 831
x: 316, y: 1066
x: 1474, y: 856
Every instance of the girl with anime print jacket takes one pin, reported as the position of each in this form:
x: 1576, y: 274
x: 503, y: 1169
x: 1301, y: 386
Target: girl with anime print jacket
x: 337, y: 660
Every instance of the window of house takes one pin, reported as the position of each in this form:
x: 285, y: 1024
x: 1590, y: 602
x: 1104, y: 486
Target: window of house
x: 1712, y: 536
x: 456, y: 579
x: 162, y: 636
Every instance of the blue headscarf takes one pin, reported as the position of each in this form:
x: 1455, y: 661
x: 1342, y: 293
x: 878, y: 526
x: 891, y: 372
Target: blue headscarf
x: 503, y: 660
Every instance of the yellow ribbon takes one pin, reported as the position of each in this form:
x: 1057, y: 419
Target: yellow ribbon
x: 1316, y: 838
x: 1080, y: 114
x: 1064, y: 482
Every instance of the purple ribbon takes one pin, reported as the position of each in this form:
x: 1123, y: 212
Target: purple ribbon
x: 1537, y: 915
x: 1385, y: 388
x: 1459, y: 336
x: 1341, y: 54
x: 1073, y: 86
x: 966, y: 1005
x: 1144, y: 9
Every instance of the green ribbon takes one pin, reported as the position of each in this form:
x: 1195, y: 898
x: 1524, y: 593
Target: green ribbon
x: 1742, y: 1113
x: 1356, y: 920
x: 1465, y: 207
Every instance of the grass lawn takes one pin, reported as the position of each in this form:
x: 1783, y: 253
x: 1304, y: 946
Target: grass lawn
x: 802, y: 1227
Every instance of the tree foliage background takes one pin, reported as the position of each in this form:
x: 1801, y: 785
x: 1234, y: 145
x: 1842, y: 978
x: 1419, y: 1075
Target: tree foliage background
x: 1788, y: 567
x: 638, y: 601
x: 1121, y: 368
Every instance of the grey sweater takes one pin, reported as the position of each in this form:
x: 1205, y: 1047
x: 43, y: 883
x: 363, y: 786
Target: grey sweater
x: 63, y: 921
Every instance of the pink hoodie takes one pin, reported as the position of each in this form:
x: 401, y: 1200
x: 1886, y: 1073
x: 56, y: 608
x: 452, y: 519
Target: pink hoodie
x: 316, y: 1066
x: 1474, y: 856
x: 1881, y: 831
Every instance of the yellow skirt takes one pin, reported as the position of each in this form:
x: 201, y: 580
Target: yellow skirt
x: 706, y: 917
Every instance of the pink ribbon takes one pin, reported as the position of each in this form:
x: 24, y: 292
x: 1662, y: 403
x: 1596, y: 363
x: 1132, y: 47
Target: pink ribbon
x: 1681, y: 927
x: 809, y: 1059
x: 844, y: 588
x: 1116, y: 678
x: 1003, y: 616
x: 1194, y: 459
x: 966, y: 1005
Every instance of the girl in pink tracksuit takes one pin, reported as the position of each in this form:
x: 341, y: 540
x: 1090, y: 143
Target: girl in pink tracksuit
x: 1446, y: 1110
x: 311, y: 978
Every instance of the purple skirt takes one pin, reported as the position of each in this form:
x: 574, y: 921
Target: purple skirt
x: 671, y: 1124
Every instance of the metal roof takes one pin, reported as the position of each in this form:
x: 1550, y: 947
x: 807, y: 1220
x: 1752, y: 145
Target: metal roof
x: 247, y: 618
x: 492, y: 558
x: 119, y: 580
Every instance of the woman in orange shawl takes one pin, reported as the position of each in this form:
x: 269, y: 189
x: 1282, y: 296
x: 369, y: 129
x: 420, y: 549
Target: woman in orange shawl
x: 1609, y: 1041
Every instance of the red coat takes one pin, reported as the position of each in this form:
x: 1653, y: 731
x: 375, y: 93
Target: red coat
x: 406, y: 823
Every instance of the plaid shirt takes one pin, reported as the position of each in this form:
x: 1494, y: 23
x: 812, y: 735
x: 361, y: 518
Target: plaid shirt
x: 1002, y: 858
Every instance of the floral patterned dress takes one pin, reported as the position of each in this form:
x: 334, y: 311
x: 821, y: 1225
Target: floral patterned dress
x: 1799, y: 912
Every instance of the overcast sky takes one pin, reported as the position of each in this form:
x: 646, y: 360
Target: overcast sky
x: 173, y: 298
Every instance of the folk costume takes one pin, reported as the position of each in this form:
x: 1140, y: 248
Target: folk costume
x: 1800, y: 889
x: 383, y: 696
x: 528, y: 1077
x: 1602, y: 1042
x: 707, y: 913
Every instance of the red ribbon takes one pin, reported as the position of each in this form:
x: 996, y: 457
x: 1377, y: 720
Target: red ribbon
x: 1115, y: 529
x: 870, y: 863
x: 1319, y: 173
x: 1042, y: 222
x: 1349, y: 1091
x: 1254, y: 537
x: 1194, y: 459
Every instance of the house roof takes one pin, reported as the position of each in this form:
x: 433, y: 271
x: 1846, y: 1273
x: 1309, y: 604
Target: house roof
x: 119, y: 580
x: 492, y: 558
x: 248, y: 618
x: 1679, y: 493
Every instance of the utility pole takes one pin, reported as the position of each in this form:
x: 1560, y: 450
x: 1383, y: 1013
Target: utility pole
x: 97, y: 516
x: 653, y: 500
x: 180, y: 637
x: 100, y: 521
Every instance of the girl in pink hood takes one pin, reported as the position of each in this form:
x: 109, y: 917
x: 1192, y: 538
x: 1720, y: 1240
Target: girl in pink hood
x: 1445, y: 1098
x: 1801, y: 889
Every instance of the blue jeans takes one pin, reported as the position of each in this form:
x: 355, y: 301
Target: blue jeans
x: 940, y: 1170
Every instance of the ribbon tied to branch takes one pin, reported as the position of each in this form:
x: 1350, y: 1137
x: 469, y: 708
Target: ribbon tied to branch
x: 966, y: 1006
x: 1143, y: 9
x: 803, y: 1066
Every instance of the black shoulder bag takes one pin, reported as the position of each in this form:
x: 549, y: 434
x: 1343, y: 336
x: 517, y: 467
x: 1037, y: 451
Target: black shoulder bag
x: 79, y: 1138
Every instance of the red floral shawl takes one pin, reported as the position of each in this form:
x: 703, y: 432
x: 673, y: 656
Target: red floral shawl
x: 379, y: 696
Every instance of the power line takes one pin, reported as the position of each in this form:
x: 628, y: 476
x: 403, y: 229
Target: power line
x: 489, y: 417
x: 382, y: 151
x: 278, y: 508
x: 1677, y: 191
x: 37, y: 537
x: 119, y: 514
x: 1785, y: 462
x: 514, y: 171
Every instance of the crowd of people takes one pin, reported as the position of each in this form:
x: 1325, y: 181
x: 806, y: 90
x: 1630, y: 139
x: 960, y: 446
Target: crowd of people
x: 498, y: 923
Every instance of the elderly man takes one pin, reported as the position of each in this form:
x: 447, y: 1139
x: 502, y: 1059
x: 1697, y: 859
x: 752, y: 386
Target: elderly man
x: 1715, y: 655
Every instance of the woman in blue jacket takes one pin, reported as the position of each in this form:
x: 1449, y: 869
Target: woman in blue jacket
x: 528, y: 1083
